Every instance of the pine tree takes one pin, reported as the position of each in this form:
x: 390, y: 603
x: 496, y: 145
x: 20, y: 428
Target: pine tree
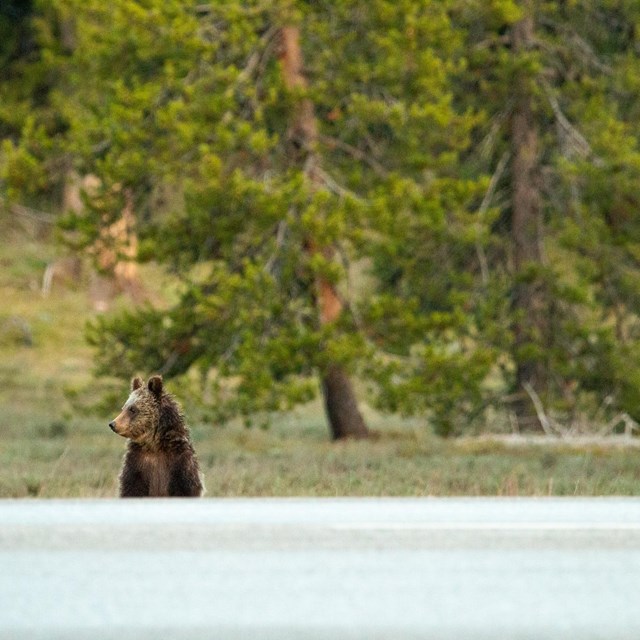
x: 276, y: 191
x: 395, y: 136
x: 439, y: 202
x: 345, y: 419
x: 546, y: 74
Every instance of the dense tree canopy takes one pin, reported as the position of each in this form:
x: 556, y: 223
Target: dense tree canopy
x: 458, y: 176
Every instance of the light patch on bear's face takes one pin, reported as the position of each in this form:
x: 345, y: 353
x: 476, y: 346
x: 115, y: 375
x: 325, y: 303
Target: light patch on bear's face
x: 139, y: 418
x: 131, y: 400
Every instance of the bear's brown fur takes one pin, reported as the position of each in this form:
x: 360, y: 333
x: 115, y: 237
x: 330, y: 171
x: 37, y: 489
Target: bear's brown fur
x: 160, y: 459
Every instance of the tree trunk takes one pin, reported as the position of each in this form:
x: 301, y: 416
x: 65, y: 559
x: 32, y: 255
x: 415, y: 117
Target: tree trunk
x: 345, y: 419
x: 526, y: 233
x: 341, y: 406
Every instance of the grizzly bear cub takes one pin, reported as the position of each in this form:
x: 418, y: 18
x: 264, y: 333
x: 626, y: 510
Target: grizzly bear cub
x: 160, y: 459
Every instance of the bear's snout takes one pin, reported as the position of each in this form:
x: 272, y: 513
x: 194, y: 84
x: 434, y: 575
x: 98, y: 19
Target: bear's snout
x: 112, y: 425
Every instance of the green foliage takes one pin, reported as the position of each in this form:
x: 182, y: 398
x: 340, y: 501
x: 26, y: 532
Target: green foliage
x: 172, y: 98
x: 33, y: 56
x: 184, y: 106
x: 579, y: 83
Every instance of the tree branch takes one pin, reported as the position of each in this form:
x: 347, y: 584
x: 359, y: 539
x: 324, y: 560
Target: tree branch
x: 630, y: 425
x: 576, y: 142
x: 281, y: 231
x: 354, y: 152
x: 548, y: 425
x: 27, y: 212
x: 484, y: 206
x: 332, y: 185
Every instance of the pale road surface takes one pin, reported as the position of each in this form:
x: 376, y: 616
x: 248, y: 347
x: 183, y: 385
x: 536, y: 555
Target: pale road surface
x: 498, y: 569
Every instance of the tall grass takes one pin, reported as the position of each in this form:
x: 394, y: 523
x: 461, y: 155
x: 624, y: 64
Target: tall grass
x: 50, y: 457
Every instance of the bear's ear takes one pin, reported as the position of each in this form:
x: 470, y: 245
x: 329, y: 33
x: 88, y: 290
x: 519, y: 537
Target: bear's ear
x: 155, y: 385
x: 136, y: 383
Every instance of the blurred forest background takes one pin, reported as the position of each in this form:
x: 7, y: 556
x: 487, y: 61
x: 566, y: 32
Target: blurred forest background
x: 419, y: 209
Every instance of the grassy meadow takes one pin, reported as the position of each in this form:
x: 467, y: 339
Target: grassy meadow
x: 52, y: 446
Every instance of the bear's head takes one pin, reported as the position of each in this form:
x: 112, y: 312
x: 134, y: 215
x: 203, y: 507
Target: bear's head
x: 140, y: 415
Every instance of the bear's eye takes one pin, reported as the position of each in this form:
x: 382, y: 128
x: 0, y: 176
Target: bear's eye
x: 133, y: 411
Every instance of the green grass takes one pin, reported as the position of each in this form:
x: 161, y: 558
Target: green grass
x: 398, y: 464
x: 51, y: 457
x: 49, y: 448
